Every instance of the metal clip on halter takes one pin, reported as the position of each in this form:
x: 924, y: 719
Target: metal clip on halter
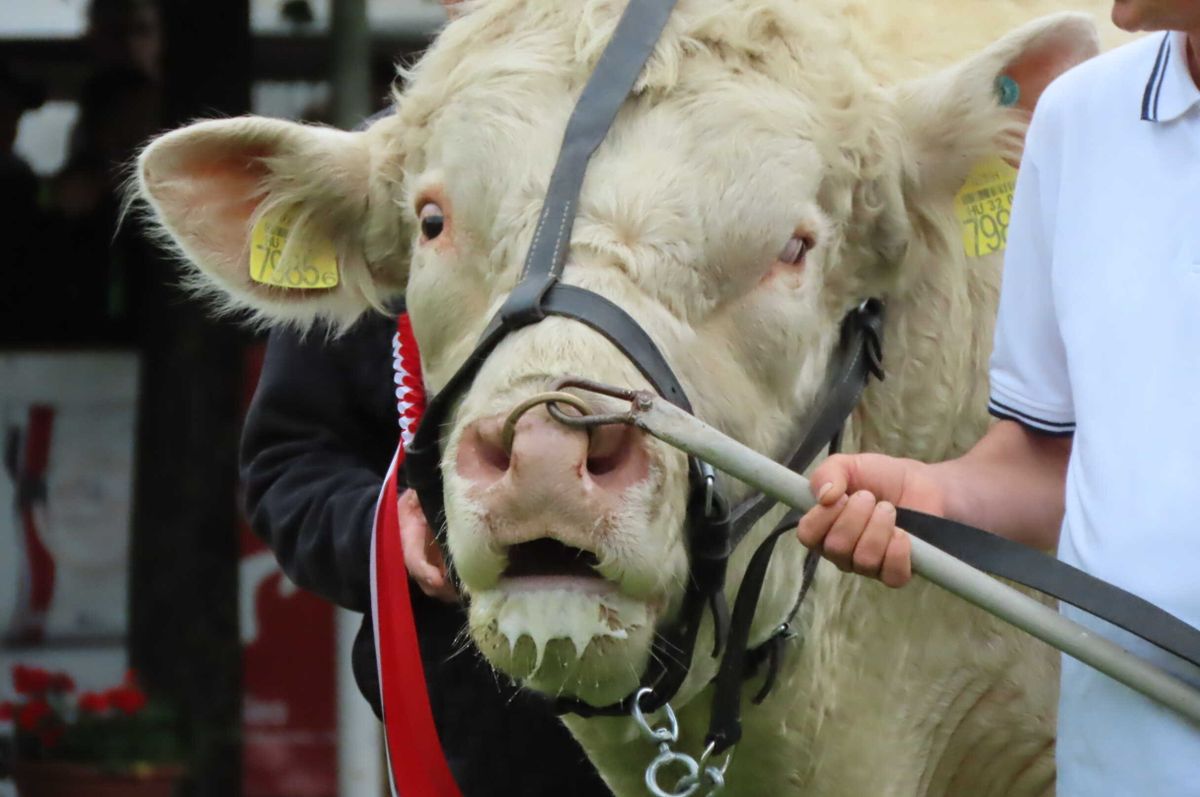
x: 710, y: 489
x: 698, y: 771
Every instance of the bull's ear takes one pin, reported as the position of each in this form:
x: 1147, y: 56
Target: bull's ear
x: 275, y: 217
x: 979, y: 108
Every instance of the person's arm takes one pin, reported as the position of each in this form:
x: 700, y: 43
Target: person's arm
x: 316, y: 446
x: 1011, y: 483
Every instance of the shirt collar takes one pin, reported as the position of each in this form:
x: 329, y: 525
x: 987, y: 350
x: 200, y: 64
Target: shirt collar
x: 1170, y: 91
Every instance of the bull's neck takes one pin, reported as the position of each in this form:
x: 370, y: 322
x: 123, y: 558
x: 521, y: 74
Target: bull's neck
x: 938, y: 339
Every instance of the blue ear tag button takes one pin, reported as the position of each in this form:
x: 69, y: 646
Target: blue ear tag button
x: 1007, y: 91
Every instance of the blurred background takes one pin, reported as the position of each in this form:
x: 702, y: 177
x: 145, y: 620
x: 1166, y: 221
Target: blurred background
x: 125, y: 568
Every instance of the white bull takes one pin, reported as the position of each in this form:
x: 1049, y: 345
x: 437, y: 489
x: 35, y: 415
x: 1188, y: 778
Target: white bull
x: 780, y: 161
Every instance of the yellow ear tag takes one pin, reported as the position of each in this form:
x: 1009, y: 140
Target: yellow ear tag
x: 289, y: 257
x: 984, y: 206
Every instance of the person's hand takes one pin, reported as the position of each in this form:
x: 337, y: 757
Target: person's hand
x: 422, y: 556
x: 854, y: 521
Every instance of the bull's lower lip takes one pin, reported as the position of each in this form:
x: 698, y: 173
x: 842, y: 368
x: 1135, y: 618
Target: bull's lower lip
x: 585, y: 584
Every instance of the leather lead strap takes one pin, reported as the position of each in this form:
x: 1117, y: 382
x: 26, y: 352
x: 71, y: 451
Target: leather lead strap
x: 1024, y: 565
x: 772, y: 649
x: 725, y: 728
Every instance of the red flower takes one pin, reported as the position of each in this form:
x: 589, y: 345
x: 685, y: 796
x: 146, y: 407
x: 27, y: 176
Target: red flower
x: 32, y: 713
x: 30, y: 680
x: 127, y: 699
x: 94, y: 703
x: 7, y: 711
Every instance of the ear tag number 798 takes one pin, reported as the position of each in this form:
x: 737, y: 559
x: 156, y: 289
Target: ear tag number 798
x: 984, y: 206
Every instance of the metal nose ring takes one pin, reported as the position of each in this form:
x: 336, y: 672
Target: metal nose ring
x: 554, y: 397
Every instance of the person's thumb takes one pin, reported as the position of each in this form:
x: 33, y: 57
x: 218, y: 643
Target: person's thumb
x: 831, y: 479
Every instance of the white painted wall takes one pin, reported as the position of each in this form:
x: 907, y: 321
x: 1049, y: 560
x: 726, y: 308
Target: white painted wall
x: 42, y: 135
x: 42, y: 18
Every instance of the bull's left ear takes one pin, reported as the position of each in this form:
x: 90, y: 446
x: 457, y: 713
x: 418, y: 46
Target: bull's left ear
x: 979, y: 107
x: 294, y: 223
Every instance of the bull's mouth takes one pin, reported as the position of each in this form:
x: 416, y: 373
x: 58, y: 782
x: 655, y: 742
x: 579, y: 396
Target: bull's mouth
x: 556, y: 624
x: 551, y: 558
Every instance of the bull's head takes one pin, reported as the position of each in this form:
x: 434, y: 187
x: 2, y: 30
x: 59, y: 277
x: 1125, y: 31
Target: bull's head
x: 763, y: 179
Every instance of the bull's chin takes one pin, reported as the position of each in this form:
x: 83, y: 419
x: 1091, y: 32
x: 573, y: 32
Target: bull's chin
x: 565, y: 636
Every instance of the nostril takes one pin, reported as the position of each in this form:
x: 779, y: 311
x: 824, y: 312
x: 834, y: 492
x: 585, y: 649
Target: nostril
x: 615, y: 456
x: 481, y: 456
x: 607, y: 449
x: 599, y: 466
x: 494, y: 456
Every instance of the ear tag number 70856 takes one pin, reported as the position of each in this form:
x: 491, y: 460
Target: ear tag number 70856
x: 287, y: 256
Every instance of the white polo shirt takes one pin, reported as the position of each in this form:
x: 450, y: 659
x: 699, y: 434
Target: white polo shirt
x: 1099, y: 335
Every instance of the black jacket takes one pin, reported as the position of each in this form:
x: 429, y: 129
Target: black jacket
x: 317, y: 443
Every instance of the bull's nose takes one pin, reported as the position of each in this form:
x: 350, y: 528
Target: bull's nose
x: 550, y: 459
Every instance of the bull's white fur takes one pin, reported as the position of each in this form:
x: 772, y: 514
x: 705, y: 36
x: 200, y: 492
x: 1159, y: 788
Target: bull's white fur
x: 754, y: 119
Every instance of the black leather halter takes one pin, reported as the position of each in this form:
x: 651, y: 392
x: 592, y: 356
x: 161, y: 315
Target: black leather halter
x: 712, y: 530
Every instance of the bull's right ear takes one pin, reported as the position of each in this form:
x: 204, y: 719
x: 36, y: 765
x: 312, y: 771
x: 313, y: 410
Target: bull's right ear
x: 276, y: 216
x: 979, y: 107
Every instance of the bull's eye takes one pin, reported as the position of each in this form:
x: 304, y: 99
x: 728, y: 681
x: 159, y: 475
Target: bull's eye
x: 796, y: 250
x: 433, y: 221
